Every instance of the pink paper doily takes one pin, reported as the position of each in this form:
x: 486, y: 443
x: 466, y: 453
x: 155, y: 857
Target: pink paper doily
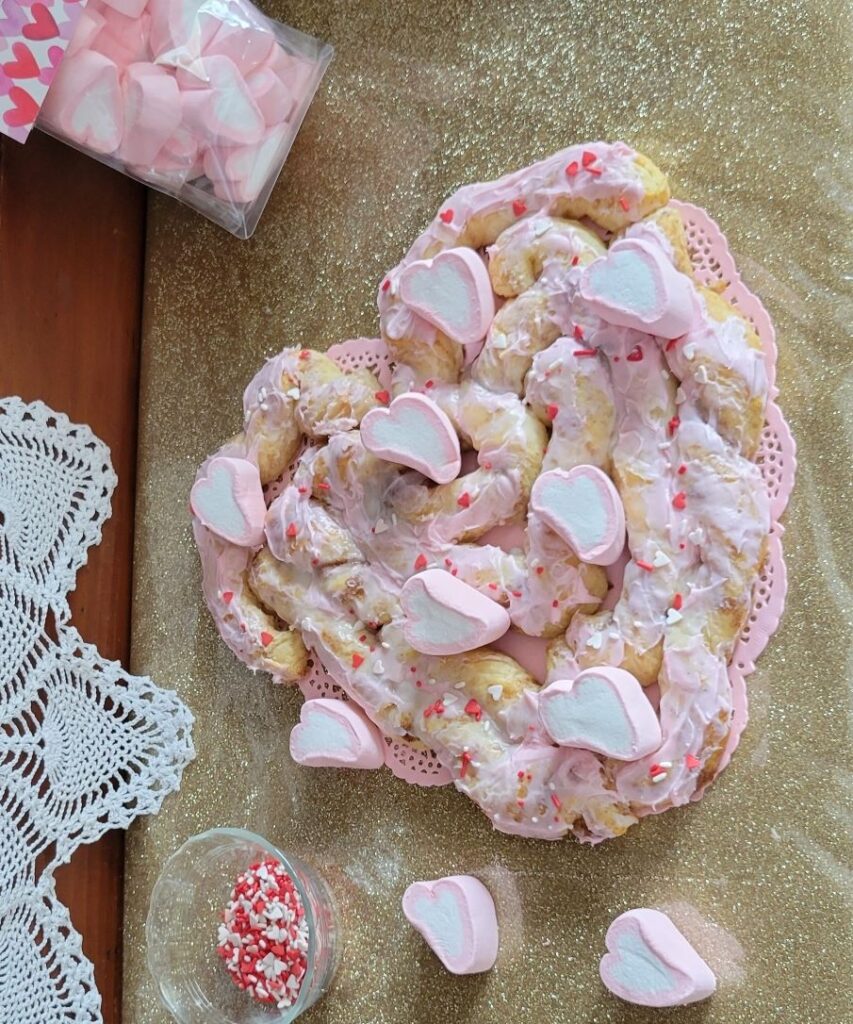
x: 714, y: 266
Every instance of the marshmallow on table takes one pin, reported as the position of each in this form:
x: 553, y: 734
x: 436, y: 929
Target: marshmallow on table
x: 584, y: 508
x: 453, y: 292
x: 413, y: 431
x: 635, y: 285
x: 229, y: 500
x: 650, y: 963
x: 603, y: 709
x: 456, y: 916
x: 444, y: 615
x: 335, y: 734
x: 85, y: 101
x: 152, y: 112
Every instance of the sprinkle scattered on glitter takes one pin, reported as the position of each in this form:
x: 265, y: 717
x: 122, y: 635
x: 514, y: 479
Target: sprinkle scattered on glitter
x: 263, y: 938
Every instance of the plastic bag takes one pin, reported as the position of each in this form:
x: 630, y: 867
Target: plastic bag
x: 200, y: 99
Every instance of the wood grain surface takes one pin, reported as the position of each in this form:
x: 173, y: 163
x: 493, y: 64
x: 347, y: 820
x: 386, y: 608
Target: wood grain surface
x: 71, y: 264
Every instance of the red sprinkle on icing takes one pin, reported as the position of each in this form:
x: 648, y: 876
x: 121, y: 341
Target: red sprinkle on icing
x: 677, y: 602
x: 656, y: 769
x: 516, y: 593
x: 692, y: 762
x: 473, y: 709
x: 429, y: 383
x: 588, y: 158
x: 420, y: 562
x: 623, y: 202
x: 572, y: 169
x: 521, y: 775
x: 670, y: 345
x: 493, y: 586
x: 635, y: 355
x: 434, y: 709
x: 645, y: 565
x: 266, y: 638
x: 552, y: 411
x: 682, y: 469
x: 362, y: 638
x: 580, y: 352
x: 595, y: 170
x: 305, y: 354
x: 323, y: 486
x: 357, y: 660
x: 680, y: 501
x: 487, y: 465
x: 382, y: 396
x: 673, y: 425
x: 682, y: 546
x: 555, y: 603
x: 448, y: 562
x: 540, y: 569
x: 556, y: 801
x: 315, y: 561
x: 519, y: 207
x: 453, y: 572
x: 228, y: 596
x: 446, y: 216
x: 466, y: 760
x: 575, y: 260
x: 291, y: 529
x: 386, y: 284
x: 302, y: 490
x: 577, y: 331
x: 464, y: 500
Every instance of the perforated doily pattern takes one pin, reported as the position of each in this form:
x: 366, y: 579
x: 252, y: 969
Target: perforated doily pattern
x: 714, y: 266
x: 84, y: 746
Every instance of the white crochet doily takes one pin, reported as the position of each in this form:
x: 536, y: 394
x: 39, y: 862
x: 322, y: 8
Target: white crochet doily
x: 84, y: 746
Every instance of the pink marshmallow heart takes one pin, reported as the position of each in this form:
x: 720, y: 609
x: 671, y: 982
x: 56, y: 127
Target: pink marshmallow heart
x: 181, y: 29
x: 152, y: 113
x: 414, y: 432
x: 584, y: 508
x: 89, y: 24
x: 272, y: 96
x: 129, y: 8
x: 650, y: 963
x: 178, y: 153
x: 453, y: 292
x: 246, y: 45
x: 605, y: 710
x: 231, y: 116
x: 295, y: 72
x: 85, y: 101
x: 229, y: 500
x: 240, y: 174
x: 444, y: 615
x: 124, y: 40
x: 456, y: 916
x: 336, y: 734
x: 635, y: 285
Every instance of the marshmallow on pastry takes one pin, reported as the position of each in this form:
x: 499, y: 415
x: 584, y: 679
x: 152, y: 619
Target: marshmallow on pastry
x: 635, y: 285
x: 650, y: 963
x: 605, y: 710
x: 584, y: 508
x: 335, y: 734
x: 228, y: 500
x: 453, y: 292
x: 446, y: 616
x: 413, y: 431
x: 456, y: 916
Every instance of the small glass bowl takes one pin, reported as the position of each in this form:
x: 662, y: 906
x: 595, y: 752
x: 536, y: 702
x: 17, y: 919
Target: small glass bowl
x: 181, y: 930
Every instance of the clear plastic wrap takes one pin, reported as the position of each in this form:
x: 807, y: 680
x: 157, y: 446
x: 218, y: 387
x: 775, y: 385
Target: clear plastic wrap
x: 200, y: 99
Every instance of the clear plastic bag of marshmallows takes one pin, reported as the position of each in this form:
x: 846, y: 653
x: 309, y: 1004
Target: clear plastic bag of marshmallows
x: 200, y: 99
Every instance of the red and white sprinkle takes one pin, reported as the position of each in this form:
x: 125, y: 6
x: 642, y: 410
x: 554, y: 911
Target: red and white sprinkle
x: 263, y: 938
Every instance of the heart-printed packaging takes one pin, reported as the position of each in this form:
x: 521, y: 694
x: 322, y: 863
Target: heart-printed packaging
x: 200, y: 99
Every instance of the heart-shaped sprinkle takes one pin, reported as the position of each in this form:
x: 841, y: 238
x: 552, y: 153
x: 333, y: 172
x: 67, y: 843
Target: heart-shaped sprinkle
x: 444, y: 615
x: 413, y: 431
x: 382, y: 396
x: 635, y: 355
x: 228, y: 499
x: 266, y: 638
x: 680, y: 501
x: 603, y: 709
x: 357, y: 660
x: 584, y: 508
x: 446, y: 216
x: 453, y: 292
x: 650, y: 963
x: 572, y: 169
x: 519, y: 207
x: 336, y: 734
x: 464, y: 500
x: 588, y: 158
x: 456, y: 916
x: 635, y: 285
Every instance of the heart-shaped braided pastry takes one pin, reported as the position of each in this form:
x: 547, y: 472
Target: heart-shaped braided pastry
x: 590, y: 404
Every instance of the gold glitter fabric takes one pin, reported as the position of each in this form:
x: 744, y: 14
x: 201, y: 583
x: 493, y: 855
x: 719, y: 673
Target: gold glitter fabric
x: 743, y: 104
